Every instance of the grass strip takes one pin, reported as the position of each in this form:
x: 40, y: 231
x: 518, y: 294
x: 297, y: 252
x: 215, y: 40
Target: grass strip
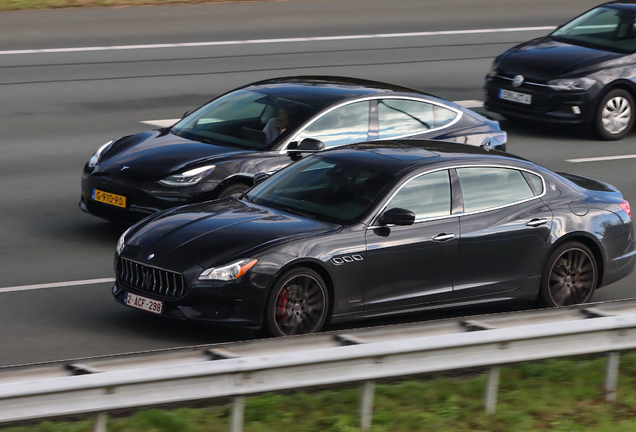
x: 559, y: 395
x: 13, y: 5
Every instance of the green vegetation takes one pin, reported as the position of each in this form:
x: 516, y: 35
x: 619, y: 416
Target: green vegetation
x: 555, y: 395
x: 11, y: 5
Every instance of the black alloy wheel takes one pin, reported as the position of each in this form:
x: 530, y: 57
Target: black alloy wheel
x: 298, y: 304
x: 569, y: 276
x: 614, y: 116
x: 234, y: 190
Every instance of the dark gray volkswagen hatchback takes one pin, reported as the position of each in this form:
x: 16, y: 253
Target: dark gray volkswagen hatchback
x: 376, y: 229
x: 215, y: 151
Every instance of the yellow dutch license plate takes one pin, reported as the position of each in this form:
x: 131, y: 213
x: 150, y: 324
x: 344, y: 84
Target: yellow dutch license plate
x: 109, y: 198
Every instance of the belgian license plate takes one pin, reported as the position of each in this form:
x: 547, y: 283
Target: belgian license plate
x: 515, y: 96
x: 109, y: 198
x: 144, y: 303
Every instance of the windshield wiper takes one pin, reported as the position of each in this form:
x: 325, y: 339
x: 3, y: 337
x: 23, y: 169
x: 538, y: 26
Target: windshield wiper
x: 299, y: 213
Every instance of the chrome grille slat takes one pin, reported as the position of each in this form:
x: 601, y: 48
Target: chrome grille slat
x: 151, y: 279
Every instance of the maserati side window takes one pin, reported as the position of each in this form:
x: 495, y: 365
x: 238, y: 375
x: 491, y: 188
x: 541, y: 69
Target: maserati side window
x: 399, y: 117
x: 486, y: 188
x: 345, y: 125
x: 427, y: 196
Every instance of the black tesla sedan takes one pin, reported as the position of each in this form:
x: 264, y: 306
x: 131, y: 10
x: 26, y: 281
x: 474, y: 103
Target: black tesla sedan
x: 215, y: 151
x: 582, y: 73
x: 375, y: 229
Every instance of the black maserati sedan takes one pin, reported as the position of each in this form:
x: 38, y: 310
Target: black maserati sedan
x: 214, y: 151
x: 582, y: 74
x: 376, y: 229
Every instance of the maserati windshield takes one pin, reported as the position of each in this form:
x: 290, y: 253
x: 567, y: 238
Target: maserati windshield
x: 608, y: 28
x: 337, y: 191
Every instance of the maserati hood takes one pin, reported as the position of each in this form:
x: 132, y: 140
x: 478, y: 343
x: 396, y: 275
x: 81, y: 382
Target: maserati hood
x: 218, y: 232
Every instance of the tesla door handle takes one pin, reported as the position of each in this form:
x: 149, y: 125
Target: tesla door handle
x: 537, y: 222
x: 444, y: 237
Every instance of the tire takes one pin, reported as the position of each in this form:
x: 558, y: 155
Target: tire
x: 569, y: 276
x: 614, y: 116
x: 297, y: 304
x: 235, y: 190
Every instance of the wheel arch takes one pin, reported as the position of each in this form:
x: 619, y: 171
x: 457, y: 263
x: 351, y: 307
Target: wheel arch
x: 592, y: 243
x: 316, y: 266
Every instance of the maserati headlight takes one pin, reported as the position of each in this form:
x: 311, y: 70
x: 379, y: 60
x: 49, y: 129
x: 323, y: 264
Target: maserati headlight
x: 98, y: 154
x: 571, y: 84
x: 188, y: 178
x: 121, y: 242
x: 230, y: 271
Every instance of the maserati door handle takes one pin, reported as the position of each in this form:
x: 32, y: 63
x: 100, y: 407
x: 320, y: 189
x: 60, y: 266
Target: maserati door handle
x: 537, y: 222
x: 443, y: 237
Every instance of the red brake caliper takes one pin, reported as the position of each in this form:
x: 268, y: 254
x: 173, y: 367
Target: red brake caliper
x: 283, y: 298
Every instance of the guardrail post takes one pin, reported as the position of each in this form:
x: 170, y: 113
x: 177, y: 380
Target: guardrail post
x: 100, y: 422
x: 238, y: 409
x: 492, y: 387
x: 611, y: 376
x: 366, y: 404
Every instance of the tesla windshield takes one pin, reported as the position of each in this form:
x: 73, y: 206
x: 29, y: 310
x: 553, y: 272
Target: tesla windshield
x: 243, y: 119
x: 333, y: 190
x: 608, y: 28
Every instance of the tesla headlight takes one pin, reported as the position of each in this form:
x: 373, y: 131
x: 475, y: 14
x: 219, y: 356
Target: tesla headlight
x: 98, y: 154
x: 122, y: 242
x: 230, y: 271
x: 571, y: 84
x: 188, y: 178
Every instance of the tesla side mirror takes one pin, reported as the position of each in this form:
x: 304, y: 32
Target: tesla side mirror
x: 397, y: 216
x: 310, y: 145
x: 259, y: 177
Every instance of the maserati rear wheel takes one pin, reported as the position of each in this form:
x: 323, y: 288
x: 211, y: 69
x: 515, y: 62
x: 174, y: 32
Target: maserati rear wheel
x: 570, y: 276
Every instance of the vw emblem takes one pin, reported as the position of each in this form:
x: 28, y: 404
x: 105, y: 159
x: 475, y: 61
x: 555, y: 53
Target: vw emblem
x: 517, y: 81
x: 151, y: 256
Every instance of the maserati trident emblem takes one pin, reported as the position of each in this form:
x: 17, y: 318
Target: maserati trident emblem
x: 147, y: 280
x: 151, y: 256
x: 517, y: 81
x: 124, y: 168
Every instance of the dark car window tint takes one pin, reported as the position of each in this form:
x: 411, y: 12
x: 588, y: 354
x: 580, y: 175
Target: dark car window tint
x: 605, y: 27
x: 239, y: 118
x: 485, y: 188
x: 398, y: 117
x: 535, y: 182
x: 345, y: 125
x: 427, y: 196
x: 336, y: 191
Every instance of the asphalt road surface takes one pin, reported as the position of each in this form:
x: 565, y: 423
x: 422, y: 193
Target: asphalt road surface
x: 71, y: 80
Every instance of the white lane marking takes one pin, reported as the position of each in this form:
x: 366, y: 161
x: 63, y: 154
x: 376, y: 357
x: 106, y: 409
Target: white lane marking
x: 602, y: 158
x: 160, y: 123
x: 470, y: 103
x: 170, y: 122
x: 274, y: 41
x: 56, y: 285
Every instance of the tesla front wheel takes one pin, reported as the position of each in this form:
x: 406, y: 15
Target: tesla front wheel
x: 614, y: 117
x: 298, y: 304
x: 570, y: 276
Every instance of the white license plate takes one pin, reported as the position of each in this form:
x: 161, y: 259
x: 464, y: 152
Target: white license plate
x: 515, y: 96
x: 144, y: 303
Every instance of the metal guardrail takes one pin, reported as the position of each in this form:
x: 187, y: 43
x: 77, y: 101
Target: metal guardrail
x: 237, y: 377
